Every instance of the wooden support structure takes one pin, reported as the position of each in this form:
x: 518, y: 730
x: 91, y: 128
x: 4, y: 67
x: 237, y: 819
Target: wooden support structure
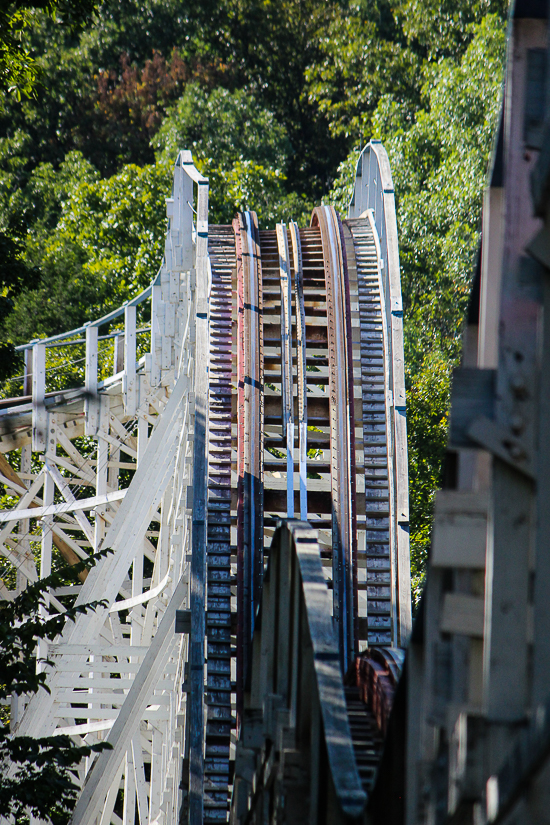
x: 143, y: 421
x: 180, y: 463
x: 472, y: 717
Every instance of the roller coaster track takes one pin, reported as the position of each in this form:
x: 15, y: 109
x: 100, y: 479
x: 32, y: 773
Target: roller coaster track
x: 247, y: 465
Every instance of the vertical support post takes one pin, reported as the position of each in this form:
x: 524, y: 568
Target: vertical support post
x: 129, y: 810
x: 183, y: 219
x: 27, y: 378
x: 101, y: 469
x: 139, y: 774
x: 198, y: 553
x: 156, y: 776
x: 46, y: 557
x: 541, y: 617
x: 17, y: 704
x: 91, y: 407
x: 129, y: 380
x: 137, y: 565
x: 118, y: 354
x: 39, y: 414
x: 156, y: 344
x: 110, y: 800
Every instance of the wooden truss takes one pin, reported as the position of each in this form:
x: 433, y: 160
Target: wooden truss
x: 111, y: 465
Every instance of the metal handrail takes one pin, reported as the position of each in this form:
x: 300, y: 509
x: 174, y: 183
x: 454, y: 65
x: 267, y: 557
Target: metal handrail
x: 105, y: 319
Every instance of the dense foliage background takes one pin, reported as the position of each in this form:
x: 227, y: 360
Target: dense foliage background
x: 274, y: 97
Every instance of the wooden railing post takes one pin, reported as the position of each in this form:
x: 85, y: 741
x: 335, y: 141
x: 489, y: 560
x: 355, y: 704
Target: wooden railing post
x: 27, y: 378
x: 118, y: 354
x: 91, y: 406
x: 39, y: 414
x: 157, y: 323
x: 129, y: 378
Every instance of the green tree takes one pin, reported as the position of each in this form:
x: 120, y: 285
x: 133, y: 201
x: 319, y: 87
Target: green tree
x: 365, y: 55
x: 19, y: 71
x: 106, y: 245
x: 238, y: 144
x: 443, y: 28
x: 439, y: 165
x: 269, y: 44
x: 36, y: 773
x: 379, y: 48
x: 439, y: 160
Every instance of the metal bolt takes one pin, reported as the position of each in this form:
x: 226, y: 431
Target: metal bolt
x: 517, y: 423
x: 516, y: 452
x: 518, y: 386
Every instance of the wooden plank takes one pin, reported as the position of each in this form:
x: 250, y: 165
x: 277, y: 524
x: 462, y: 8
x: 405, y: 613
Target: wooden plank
x: 140, y: 781
x: 157, y: 780
x: 107, y: 812
x: 67, y: 507
x: 507, y: 576
x: 329, y: 681
x: 45, y: 568
x: 387, y: 221
x: 472, y: 395
x: 129, y: 802
x: 541, y: 596
x: 460, y: 530
x: 131, y: 712
x: 500, y: 441
x: 141, y: 598
x: 157, y: 326
x: 118, y: 354
x: 463, y: 614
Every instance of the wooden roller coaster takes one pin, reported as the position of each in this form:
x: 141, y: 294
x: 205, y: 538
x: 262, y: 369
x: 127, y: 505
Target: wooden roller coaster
x: 248, y: 469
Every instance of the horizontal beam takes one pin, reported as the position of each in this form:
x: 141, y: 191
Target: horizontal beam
x: 64, y: 507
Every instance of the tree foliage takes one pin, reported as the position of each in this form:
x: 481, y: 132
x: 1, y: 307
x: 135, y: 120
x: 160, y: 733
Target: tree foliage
x: 19, y: 71
x: 274, y: 97
x: 439, y: 158
x: 35, y: 772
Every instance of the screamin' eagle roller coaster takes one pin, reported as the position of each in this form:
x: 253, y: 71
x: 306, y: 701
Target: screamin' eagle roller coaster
x: 250, y: 477
x: 238, y: 442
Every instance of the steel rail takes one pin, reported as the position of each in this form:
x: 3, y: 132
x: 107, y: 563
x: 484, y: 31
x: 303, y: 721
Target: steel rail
x: 301, y: 363
x: 250, y: 556
x: 287, y: 388
x: 341, y: 391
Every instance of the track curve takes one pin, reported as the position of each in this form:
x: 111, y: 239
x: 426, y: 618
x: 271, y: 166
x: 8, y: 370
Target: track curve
x: 274, y: 387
